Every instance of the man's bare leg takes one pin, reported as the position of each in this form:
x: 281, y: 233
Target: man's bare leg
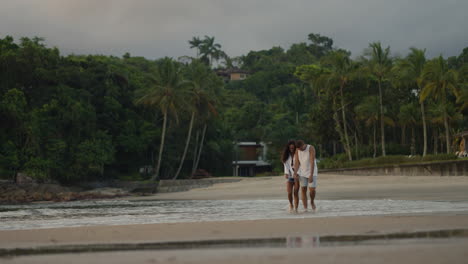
x: 296, y: 196
x: 304, y: 197
x: 312, y: 198
x: 289, y: 187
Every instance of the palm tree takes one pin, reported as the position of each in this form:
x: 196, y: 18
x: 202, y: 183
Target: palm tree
x: 201, y: 100
x: 341, y: 71
x: 196, y: 43
x: 318, y: 78
x: 167, y: 94
x: 439, y: 82
x: 321, y: 80
x: 437, y: 113
x: 406, y: 118
x: 207, y: 107
x: 410, y: 71
x: 462, y: 97
x: 210, y: 50
x: 379, y: 65
x: 368, y: 111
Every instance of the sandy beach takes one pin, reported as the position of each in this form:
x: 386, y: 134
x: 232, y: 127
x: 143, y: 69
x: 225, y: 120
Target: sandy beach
x: 336, y: 187
x: 331, y: 187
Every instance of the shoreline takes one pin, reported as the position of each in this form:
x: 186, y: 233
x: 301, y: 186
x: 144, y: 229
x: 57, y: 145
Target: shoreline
x: 330, y: 187
x: 244, y: 229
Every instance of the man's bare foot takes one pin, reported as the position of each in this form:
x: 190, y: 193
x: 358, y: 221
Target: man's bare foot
x: 291, y: 208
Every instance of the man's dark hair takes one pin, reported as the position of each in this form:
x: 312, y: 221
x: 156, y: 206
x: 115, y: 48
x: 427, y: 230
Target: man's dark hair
x: 299, y: 144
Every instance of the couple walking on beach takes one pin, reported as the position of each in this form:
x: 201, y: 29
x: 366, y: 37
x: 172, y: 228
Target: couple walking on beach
x: 300, y: 169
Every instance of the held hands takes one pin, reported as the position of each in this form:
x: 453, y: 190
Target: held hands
x: 286, y: 176
x: 311, y: 179
x: 296, y: 177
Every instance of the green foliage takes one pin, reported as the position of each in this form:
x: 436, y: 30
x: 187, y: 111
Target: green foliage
x: 338, y: 162
x: 93, y: 154
x: 39, y: 168
x: 86, y: 117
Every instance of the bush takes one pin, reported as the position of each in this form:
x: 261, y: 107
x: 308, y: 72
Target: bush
x: 328, y: 163
x: 433, y: 157
x: 131, y: 177
x: 335, y: 163
x: 332, y: 162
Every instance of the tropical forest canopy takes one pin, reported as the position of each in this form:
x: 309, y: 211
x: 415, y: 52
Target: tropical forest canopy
x: 91, y: 117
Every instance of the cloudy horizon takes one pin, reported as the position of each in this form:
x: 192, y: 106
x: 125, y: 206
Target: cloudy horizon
x: 155, y: 29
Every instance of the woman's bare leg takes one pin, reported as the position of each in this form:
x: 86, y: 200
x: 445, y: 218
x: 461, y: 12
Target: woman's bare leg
x: 296, y: 195
x: 289, y: 189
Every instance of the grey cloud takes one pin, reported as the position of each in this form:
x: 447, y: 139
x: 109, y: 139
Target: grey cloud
x: 162, y: 27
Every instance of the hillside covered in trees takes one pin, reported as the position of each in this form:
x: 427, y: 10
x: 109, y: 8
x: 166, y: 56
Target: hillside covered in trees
x: 90, y: 117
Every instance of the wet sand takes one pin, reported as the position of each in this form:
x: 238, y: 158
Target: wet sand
x: 350, y: 225
x: 446, y: 252
x: 330, y: 187
x: 336, y: 187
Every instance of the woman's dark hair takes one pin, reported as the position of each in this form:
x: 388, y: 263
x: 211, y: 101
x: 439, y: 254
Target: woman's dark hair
x: 286, y: 152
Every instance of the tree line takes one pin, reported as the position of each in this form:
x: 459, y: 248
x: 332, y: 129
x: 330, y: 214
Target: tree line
x: 92, y: 117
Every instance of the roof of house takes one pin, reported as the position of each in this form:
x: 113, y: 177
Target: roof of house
x: 236, y: 70
x: 230, y: 71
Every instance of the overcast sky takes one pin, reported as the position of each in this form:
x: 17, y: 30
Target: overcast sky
x: 157, y: 28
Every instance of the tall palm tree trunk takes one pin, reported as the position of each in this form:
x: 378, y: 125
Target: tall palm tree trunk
x: 375, y: 141
x: 356, y: 152
x: 413, y: 141
x: 345, y: 129
x: 187, y: 142
x: 423, y: 116
x: 382, y: 130
x: 447, y: 136
x: 200, y: 148
x: 161, y: 147
x: 195, y: 153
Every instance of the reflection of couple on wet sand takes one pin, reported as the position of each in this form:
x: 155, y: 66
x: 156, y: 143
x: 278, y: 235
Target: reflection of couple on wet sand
x: 300, y: 169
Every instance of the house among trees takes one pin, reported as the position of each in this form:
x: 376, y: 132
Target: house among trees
x: 234, y: 74
x: 250, y: 159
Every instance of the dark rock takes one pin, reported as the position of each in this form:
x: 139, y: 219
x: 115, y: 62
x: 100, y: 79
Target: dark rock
x: 23, y: 179
x: 48, y: 196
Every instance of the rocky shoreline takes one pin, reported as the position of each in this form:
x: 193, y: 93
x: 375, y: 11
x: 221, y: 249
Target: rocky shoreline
x: 27, y: 191
x: 24, y: 189
x: 11, y: 193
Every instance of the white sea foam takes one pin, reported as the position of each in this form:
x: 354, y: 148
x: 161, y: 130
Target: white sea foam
x: 121, y: 212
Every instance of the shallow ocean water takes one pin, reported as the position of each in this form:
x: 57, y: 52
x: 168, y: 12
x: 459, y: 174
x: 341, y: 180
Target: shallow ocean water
x: 123, y: 212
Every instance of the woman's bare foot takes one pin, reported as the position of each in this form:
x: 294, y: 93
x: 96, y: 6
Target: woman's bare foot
x: 313, y: 206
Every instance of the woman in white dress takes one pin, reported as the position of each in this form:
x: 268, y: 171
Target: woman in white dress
x: 292, y: 186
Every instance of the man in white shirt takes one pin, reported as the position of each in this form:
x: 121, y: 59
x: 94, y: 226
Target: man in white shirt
x: 305, y: 171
